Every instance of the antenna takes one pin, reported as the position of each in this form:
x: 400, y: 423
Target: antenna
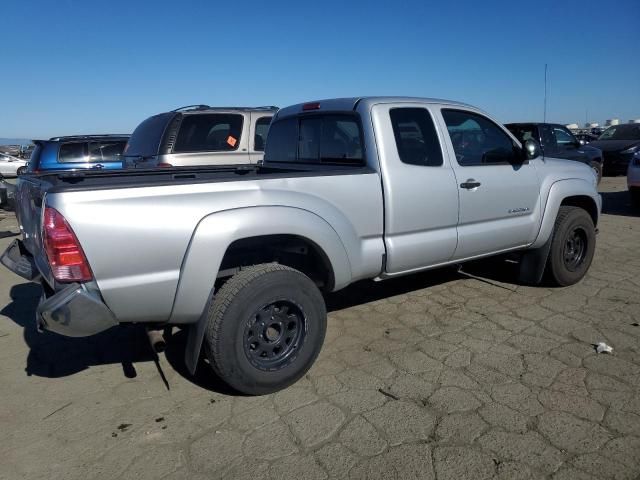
x: 544, y: 119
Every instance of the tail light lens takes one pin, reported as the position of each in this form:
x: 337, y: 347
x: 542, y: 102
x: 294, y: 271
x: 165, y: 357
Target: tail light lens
x: 66, y: 258
x: 165, y: 165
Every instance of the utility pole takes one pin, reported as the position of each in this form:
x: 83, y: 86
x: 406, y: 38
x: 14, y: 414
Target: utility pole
x: 544, y: 118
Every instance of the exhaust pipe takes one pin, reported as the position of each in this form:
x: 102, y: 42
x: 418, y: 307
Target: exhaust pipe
x: 156, y: 340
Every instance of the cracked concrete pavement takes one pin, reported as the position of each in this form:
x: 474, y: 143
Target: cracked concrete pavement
x: 443, y: 375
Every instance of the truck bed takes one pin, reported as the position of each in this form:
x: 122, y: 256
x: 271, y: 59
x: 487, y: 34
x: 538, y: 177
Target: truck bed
x: 55, y: 182
x: 138, y: 227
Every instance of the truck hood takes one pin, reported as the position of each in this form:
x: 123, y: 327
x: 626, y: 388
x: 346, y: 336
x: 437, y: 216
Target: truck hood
x: 614, y: 145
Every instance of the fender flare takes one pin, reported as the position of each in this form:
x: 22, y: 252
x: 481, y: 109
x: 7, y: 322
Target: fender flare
x: 209, y: 243
x: 558, y: 192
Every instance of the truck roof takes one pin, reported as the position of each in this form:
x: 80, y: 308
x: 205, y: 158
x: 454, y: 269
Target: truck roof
x: 350, y: 103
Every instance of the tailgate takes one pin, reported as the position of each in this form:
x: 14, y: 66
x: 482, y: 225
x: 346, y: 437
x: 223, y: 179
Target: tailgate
x: 29, y: 199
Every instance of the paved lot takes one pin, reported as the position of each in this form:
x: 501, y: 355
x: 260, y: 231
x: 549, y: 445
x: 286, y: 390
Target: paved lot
x: 437, y: 376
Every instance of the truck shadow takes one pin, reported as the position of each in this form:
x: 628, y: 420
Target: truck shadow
x: 618, y: 203
x: 54, y: 356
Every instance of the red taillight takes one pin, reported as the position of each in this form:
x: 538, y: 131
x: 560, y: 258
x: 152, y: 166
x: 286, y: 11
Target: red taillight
x: 66, y: 258
x: 311, y: 106
x: 165, y: 165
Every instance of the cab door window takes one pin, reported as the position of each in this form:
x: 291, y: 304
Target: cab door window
x: 563, y: 138
x: 477, y: 140
x: 416, y: 137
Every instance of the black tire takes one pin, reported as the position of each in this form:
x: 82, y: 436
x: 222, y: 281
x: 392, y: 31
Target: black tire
x: 634, y: 193
x: 243, y: 350
x: 597, y: 167
x: 21, y: 171
x: 572, y: 246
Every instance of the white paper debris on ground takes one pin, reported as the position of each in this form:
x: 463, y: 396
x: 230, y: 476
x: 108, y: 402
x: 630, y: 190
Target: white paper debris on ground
x: 602, y: 347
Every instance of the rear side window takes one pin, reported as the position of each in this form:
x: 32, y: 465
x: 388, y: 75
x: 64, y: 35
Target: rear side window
x: 108, y: 151
x: 72, y: 153
x: 416, y: 137
x: 209, y: 133
x: 34, y: 159
x: 145, y: 139
x: 260, y: 137
x: 282, y: 143
x: 331, y: 139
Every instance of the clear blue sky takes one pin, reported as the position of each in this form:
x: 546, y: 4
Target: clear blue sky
x: 96, y: 66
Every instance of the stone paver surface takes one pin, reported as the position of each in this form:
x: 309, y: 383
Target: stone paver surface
x: 443, y: 375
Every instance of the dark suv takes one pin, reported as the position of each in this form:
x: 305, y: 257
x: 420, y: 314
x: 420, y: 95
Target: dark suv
x: 558, y: 142
x: 620, y: 143
x: 79, y: 152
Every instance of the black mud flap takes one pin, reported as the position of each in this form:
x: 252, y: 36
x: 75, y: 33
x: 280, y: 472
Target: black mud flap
x: 17, y: 259
x: 533, y: 263
x: 196, y: 337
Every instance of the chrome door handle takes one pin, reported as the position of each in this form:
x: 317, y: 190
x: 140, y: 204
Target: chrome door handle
x: 470, y: 184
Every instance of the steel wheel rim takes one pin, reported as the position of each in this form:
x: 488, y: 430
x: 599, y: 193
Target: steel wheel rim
x: 273, y: 334
x: 575, y: 249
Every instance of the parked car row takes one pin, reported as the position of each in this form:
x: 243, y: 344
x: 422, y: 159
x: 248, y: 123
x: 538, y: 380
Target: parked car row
x: 11, y: 166
x: 347, y: 189
x: 619, y: 145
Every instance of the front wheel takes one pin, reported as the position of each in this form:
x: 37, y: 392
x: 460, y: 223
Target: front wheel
x: 572, y: 246
x: 21, y: 171
x: 265, y: 328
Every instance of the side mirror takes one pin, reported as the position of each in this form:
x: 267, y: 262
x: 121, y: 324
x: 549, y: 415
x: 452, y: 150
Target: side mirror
x: 531, y: 149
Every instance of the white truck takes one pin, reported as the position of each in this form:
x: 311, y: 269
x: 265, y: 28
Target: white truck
x: 350, y: 189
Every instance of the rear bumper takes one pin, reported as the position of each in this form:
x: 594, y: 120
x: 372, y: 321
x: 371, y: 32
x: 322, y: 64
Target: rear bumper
x: 74, y: 312
x: 17, y: 259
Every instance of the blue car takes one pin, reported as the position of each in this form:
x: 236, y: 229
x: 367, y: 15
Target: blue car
x: 79, y: 152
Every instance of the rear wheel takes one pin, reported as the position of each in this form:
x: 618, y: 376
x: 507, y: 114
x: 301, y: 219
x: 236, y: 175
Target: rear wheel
x: 572, y: 246
x: 266, y: 328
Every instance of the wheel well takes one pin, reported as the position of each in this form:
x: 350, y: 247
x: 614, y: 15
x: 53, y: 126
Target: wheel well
x: 586, y: 203
x: 291, y: 250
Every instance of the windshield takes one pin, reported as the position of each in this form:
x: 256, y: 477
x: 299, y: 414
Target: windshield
x: 621, y: 132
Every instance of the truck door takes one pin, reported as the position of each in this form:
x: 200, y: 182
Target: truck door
x: 258, y: 135
x: 420, y: 195
x: 498, y: 191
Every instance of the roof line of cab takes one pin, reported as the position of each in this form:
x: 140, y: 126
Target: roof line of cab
x: 351, y: 103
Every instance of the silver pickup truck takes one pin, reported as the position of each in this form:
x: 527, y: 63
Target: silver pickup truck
x: 350, y: 189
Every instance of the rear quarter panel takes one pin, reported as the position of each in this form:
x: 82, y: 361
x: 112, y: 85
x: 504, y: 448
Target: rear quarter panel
x: 139, y: 240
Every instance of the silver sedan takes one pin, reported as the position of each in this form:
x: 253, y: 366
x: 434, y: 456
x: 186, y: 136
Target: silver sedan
x: 11, y: 166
